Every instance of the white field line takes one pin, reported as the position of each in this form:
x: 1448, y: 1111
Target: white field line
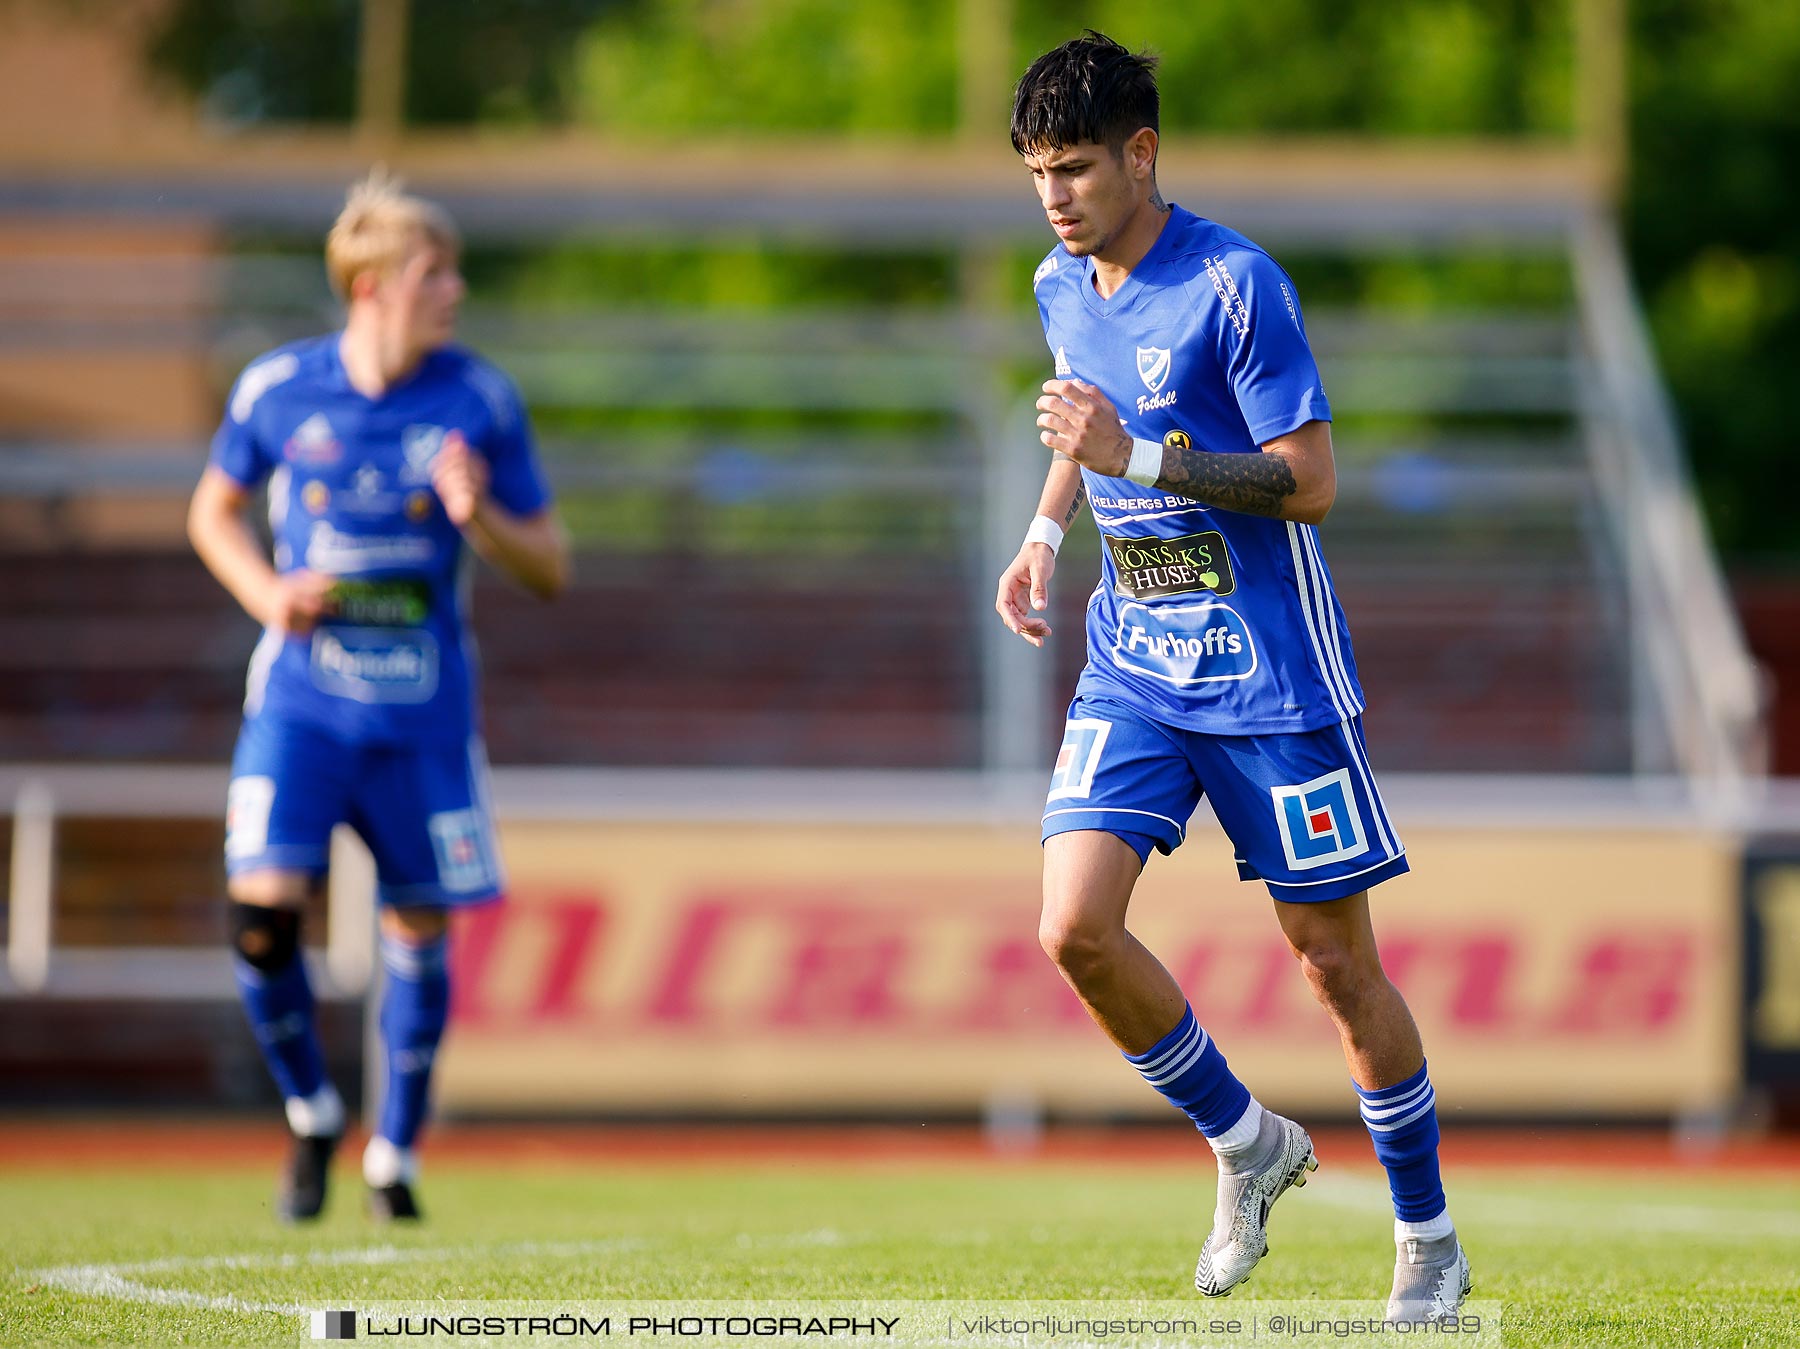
x: 99, y: 1281
x: 1586, y: 1213
x: 823, y: 1236
x: 109, y: 1280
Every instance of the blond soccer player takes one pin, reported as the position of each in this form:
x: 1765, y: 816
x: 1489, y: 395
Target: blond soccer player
x: 389, y: 455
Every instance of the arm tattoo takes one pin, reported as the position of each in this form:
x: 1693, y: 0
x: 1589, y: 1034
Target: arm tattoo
x: 1075, y: 505
x: 1256, y: 484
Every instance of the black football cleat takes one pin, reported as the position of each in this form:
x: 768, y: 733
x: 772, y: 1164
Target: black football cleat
x: 393, y: 1203
x: 303, y: 1181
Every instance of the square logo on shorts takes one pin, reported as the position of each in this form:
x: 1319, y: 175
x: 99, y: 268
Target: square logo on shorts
x: 1079, y: 756
x: 248, y: 801
x: 461, y: 847
x: 1319, y: 821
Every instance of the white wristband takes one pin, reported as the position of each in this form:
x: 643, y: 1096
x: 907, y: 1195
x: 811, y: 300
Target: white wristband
x: 1146, y: 462
x: 1047, y: 531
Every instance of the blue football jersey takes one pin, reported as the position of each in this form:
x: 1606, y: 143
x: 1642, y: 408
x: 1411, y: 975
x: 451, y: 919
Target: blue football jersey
x: 350, y: 497
x: 1204, y: 618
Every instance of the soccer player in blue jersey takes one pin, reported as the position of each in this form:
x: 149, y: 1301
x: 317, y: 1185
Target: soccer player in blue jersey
x: 1188, y: 413
x: 389, y: 456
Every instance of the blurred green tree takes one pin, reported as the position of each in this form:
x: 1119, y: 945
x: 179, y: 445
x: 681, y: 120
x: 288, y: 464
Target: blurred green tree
x: 680, y: 67
x: 1714, y: 222
x: 295, y: 60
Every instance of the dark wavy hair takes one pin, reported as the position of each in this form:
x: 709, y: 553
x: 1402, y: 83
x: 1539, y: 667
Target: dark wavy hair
x: 1088, y: 89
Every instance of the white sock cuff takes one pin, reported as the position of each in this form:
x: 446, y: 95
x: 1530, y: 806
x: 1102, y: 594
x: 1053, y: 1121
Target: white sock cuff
x: 413, y: 960
x: 1242, y: 1134
x: 320, y: 1115
x: 385, y: 1164
x: 1432, y: 1229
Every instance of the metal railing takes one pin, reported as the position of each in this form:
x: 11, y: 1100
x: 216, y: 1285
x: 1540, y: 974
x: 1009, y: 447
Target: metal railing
x: 1698, y: 705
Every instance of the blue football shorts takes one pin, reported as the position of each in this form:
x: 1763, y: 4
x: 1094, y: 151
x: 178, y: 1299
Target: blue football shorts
x: 422, y: 810
x: 1302, y: 810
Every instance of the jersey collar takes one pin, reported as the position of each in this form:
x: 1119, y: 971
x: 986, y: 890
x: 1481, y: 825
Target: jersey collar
x: 1134, y: 280
x: 341, y: 376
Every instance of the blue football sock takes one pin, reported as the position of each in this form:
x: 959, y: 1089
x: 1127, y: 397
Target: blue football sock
x: 1187, y: 1068
x: 279, y: 1003
x: 1402, y: 1121
x: 414, y: 1008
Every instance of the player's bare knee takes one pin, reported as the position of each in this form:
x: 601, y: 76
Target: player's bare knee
x: 1339, y: 979
x: 415, y: 926
x: 281, y: 889
x: 1079, y: 945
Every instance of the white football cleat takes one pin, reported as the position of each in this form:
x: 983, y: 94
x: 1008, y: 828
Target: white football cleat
x: 1239, y: 1236
x: 1431, y: 1279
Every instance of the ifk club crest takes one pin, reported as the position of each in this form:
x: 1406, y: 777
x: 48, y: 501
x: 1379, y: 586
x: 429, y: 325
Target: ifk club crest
x: 419, y: 446
x: 1153, y: 367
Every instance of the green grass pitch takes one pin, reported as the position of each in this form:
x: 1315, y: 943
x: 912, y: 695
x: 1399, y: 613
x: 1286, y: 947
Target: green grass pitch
x: 166, y: 1257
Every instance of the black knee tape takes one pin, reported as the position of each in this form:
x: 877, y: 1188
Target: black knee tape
x: 266, y: 938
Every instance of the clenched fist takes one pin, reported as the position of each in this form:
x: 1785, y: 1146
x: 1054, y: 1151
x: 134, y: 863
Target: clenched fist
x: 460, y: 478
x: 1078, y: 420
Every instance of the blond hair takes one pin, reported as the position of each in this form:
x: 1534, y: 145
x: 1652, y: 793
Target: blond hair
x: 379, y: 226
